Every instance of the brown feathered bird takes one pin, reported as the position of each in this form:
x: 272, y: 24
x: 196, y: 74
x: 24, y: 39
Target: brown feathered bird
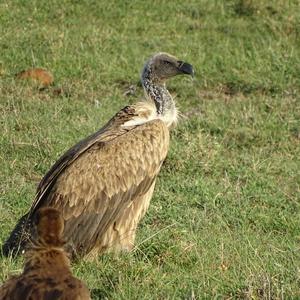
x: 47, y: 273
x: 103, y: 184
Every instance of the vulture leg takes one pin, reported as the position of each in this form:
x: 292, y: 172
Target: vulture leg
x: 126, y: 225
x: 121, y: 235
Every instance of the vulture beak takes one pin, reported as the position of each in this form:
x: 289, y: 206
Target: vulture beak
x: 185, y: 68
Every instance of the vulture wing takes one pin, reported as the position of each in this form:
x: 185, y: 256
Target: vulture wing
x: 97, y: 179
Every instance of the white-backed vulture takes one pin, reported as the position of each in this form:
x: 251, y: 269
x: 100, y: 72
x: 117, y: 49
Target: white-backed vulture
x: 47, y: 274
x: 103, y: 184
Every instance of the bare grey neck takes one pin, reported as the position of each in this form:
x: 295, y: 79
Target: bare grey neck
x: 157, y: 91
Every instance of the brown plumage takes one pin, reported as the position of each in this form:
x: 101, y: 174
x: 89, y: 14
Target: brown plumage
x: 47, y: 273
x: 103, y: 184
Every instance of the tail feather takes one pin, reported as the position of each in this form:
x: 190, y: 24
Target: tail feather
x: 19, y: 238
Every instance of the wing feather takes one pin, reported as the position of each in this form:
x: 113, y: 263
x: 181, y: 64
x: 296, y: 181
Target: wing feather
x: 95, y: 181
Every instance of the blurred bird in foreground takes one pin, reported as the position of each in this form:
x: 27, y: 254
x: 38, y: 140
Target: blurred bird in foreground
x: 47, y: 274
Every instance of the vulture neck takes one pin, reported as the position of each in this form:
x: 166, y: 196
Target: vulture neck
x: 156, y: 90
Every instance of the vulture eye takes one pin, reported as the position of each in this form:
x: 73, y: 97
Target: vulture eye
x: 167, y: 63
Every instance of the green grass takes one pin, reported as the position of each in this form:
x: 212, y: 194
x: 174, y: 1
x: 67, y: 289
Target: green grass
x: 224, y: 222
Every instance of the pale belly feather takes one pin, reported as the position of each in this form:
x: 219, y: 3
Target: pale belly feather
x: 121, y: 235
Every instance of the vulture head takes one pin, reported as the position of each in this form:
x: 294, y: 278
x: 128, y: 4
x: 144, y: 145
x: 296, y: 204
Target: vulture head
x: 157, y: 70
x: 163, y: 66
x: 49, y: 226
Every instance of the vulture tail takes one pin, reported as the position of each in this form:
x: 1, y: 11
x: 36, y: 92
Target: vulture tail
x: 19, y: 238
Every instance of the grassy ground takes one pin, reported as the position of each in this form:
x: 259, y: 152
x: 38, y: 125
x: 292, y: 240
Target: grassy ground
x: 224, y: 222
